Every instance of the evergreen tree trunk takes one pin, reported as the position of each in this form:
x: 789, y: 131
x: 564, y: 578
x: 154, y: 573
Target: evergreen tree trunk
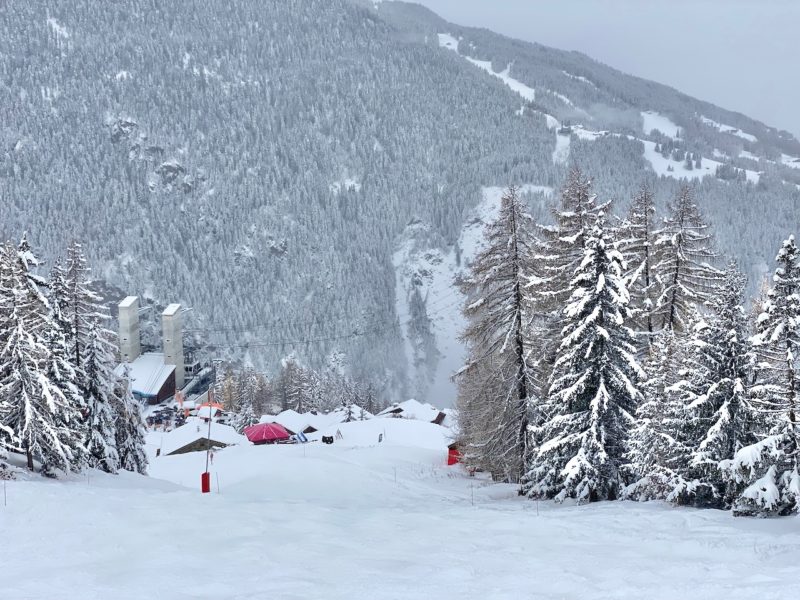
x: 522, y: 379
x: 494, y: 389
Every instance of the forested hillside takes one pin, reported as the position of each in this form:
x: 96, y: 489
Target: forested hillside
x: 260, y: 160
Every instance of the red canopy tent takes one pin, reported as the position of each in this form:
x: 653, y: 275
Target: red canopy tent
x: 267, y: 433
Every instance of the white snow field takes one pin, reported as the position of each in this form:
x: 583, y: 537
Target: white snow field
x: 652, y: 120
x: 729, y: 129
x: 362, y: 520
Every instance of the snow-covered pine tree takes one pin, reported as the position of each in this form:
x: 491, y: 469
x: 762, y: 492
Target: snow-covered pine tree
x: 685, y: 251
x: 247, y: 388
x: 47, y: 298
x: 99, y: 384
x: 92, y: 352
x: 129, y: 428
x: 296, y: 385
x: 371, y: 406
x: 60, y: 369
x: 637, y: 247
x: 588, y: 413
x: 81, y: 307
x: 8, y: 439
x: 28, y: 262
x: 495, y: 386
x: 226, y: 389
x: 33, y: 406
x: 558, y: 252
x: 767, y: 473
x: 560, y: 247
x: 348, y: 400
x: 720, y: 418
x: 657, y: 454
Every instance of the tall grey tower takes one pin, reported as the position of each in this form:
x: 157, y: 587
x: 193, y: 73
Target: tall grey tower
x: 129, y: 345
x: 173, y: 341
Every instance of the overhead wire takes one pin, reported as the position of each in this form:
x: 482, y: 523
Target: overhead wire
x: 373, y: 330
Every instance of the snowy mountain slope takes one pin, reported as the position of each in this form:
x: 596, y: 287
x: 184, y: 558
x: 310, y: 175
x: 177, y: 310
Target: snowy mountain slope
x: 653, y: 123
x: 367, y: 520
x: 266, y: 179
x: 431, y: 273
x: 652, y: 120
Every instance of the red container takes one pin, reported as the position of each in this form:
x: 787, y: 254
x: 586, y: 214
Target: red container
x: 205, y: 482
x: 453, y: 457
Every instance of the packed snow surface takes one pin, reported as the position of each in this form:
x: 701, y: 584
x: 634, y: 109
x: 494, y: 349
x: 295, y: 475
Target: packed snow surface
x: 790, y: 161
x: 579, y: 78
x: 653, y: 120
x: 678, y: 170
x: 366, y: 520
x: 728, y: 129
x: 528, y: 93
x: 749, y: 155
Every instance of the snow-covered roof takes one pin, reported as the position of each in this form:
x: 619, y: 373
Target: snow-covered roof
x: 196, y: 429
x: 295, y: 422
x: 171, y: 310
x: 128, y: 302
x: 356, y: 413
x: 206, y: 412
x: 147, y: 373
x: 412, y: 409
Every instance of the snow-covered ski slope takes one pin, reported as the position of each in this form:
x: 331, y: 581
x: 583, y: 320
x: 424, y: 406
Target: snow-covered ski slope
x: 361, y: 520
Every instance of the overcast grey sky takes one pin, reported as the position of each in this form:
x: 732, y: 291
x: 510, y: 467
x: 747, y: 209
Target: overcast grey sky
x: 743, y: 55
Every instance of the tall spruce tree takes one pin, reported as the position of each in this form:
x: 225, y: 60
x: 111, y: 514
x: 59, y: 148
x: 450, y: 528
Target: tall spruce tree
x: 60, y: 370
x: 658, y: 455
x: 247, y: 390
x: 637, y: 247
x: 82, y: 307
x: 34, y: 408
x: 8, y: 438
x: 719, y: 418
x: 560, y: 247
x: 588, y: 413
x: 767, y: 474
x: 558, y: 253
x: 91, y: 349
x: 129, y: 428
x: 685, y: 253
x: 99, y: 387
x: 495, y: 386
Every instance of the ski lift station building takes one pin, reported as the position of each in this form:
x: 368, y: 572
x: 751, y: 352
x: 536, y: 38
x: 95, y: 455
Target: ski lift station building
x: 154, y: 376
